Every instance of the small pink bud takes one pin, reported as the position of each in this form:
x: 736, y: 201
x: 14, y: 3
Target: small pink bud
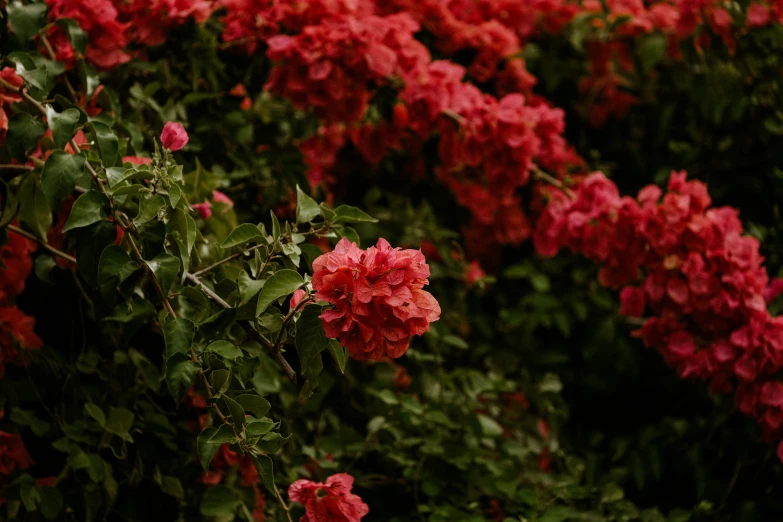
x: 174, y: 136
x: 204, y: 209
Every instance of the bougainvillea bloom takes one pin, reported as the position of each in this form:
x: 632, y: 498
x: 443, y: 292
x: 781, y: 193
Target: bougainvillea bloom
x: 13, y: 455
x: 378, y: 297
x: 473, y: 273
x: 330, y: 502
x: 174, y: 136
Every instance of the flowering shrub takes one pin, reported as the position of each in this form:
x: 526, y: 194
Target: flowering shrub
x: 187, y: 188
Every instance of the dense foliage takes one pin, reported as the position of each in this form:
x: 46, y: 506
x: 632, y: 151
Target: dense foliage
x: 342, y: 260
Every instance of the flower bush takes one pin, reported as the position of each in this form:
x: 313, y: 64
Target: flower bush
x: 187, y: 186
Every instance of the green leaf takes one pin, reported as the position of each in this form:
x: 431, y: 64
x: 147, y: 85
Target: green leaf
x: 220, y: 380
x: 120, y: 422
x: 339, y: 354
x: 306, y: 207
x: 95, y: 411
x: 350, y: 234
x: 90, y: 208
x: 42, y: 79
x: 114, y: 267
x: 347, y: 214
x: 206, y: 451
x: 260, y: 427
x: 237, y: 413
x: 219, y: 501
x: 149, y: 209
x: 63, y: 125
x: 90, y: 243
x: 275, y: 226
x: 108, y: 144
x: 248, y: 287
x: 178, y: 335
x: 65, y: 102
x: 25, y: 20
x: 75, y: 33
x: 29, y: 419
x: 272, y: 442
x: 489, y: 426
x: 50, y: 502
x: 255, y: 404
x: 281, y: 284
x: 59, y: 177
x: 34, y: 212
x: 242, y: 234
x: 310, y: 337
x: 265, y: 470
x: 224, y: 349
x: 651, y: 49
x: 180, y: 374
x: 165, y: 267
x: 172, y: 486
x: 23, y: 133
x: 224, y: 435
x: 175, y: 194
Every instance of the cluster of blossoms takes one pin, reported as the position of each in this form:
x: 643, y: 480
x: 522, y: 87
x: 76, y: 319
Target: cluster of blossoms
x: 16, y: 328
x: 13, y: 455
x: 488, y: 146
x: 702, y: 285
x: 332, y: 501
x: 378, y: 297
x: 113, y: 25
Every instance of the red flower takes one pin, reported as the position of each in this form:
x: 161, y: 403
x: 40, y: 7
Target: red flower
x: 174, y: 136
x: 473, y: 273
x: 330, y: 502
x: 204, y: 209
x: 296, y: 298
x: 378, y: 296
x: 136, y: 160
x: 13, y: 455
x: 219, y: 197
x: 16, y: 331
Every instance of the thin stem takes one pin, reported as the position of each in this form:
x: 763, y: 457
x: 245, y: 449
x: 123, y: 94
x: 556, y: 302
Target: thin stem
x: 44, y: 244
x: 53, y: 56
x: 288, y: 317
x: 543, y: 176
x: 282, y: 503
x: 247, y: 326
x: 140, y: 259
x: 23, y: 93
x: 23, y: 168
x: 213, y: 266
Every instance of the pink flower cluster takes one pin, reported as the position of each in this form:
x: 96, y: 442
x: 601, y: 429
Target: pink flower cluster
x: 16, y: 328
x: 689, y: 269
x: 111, y: 25
x: 335, y: 66
x: 330, y: 502
x: 378, y: 297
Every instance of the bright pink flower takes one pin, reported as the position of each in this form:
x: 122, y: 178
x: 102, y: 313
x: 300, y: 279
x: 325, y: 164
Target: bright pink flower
x: 174, y: 136
x: 296, y: 298
x: 219, y: 197
x: 204, y: 209
x: 330, y: 502
x: 758, y: 15
x: 378, y: 297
